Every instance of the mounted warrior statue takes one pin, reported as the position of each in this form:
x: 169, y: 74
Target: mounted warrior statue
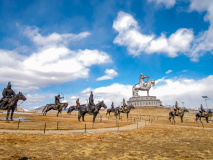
x: 124, y: 107
x: 57, y: 100
x: 91, y: 103
x: 202, y: 110
x: 8, y: 94
x: 143, y: 86
x: 10, y: 100
x: 77, y: 104
x: 176, y: 109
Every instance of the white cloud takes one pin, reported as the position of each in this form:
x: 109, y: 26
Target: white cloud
x: 109, y: 74
x: 167, y: 3
x: 189, y: 91
x: 204, y: 42
x: 115, y: 92
x: 169, y: 71
x: 52, y: 39
x: 50, y: 64
x: 129, y: 35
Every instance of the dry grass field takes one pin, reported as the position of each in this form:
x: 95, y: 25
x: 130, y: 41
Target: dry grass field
x: 159, y: 139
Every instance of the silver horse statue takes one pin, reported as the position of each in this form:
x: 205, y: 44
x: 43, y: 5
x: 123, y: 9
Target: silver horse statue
x: 143, y: 86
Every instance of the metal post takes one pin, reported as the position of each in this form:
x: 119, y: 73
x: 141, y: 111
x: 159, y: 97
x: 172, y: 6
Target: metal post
x: 18, y: 124
x: 206, y: 97
x: 44, y: 127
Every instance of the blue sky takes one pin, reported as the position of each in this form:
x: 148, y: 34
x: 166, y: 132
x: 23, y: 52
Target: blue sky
x: 74, y: 47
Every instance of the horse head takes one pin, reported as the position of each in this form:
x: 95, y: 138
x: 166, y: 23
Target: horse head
x: 65, y: 105
x: 209, y: 111
x: 131, y: 106
x: 150, y: 83
x: 185, y: 110
x: 20, y: 96
x: 103, y: 104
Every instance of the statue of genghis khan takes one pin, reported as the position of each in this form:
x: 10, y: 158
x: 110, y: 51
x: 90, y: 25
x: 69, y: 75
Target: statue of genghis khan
x: 7, y: 94
x: 143, y: 86
x: 141, y: 79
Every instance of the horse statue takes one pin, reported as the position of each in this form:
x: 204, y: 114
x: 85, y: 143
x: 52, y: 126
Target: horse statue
x: 110, y: 110
x: 49, y: 107
x: 206, y: 115
x: 83, y: 109
x: 140, y: 86
x: 12, y: 105
x: 180, y: 114
x: 72, y: 108
x: 118, y: 111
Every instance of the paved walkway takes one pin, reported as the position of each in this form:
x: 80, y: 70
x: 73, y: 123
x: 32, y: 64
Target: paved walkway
x: 115, y: 129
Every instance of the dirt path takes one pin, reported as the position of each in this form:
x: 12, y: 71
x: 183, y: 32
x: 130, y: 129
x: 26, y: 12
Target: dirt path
x: 127, y: 127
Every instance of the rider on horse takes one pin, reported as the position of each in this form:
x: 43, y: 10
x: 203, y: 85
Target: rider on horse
x: 57, y: 100
x: 77, y: 104
x: 91, y: 103
x: 112, y: 106
x: 124, y: 107
x: 202, y: 110
x: 8, y: 94
x: 142, y: 77
x: 177, y: 108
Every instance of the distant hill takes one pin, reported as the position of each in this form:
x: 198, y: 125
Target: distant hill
x: 19, y: 109
x: 38, y: 109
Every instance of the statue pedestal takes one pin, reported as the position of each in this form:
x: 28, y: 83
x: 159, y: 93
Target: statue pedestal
x: 144, y: 101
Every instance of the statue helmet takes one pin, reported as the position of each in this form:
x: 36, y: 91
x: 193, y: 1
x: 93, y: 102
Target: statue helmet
x: 9, y: 85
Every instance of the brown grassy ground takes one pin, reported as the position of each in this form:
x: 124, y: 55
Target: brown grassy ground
x: 160, y: 140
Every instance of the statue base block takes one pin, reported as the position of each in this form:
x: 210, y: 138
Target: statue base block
x: 144, y: 101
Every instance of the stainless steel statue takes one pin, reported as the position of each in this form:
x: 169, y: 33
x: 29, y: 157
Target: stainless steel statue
x: 143, y: 86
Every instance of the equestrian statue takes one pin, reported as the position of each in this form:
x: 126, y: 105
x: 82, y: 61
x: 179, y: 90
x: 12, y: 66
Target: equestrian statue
x: 56, y: 106
x: 72, y: 108
x: 112, y: 109
x: 91, y: 108
x: 124, y: 109
x: 204, y: 114
x: 10, y: 99
x: 143, y: 86
x: 177, y: 112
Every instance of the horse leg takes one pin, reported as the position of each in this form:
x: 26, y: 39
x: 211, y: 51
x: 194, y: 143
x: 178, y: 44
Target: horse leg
x: 174, y: 119
x: 8, y: 112
x: 83, y: 116
x: 46, y: 111
x: 207, y: 119
x: 79, y: 117
x: 11, y: 115
x: 94, y: 116
x: 127, y: 115
x: 181, y: 119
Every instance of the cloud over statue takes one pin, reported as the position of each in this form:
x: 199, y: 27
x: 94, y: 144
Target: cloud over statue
x: 137, y: 100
